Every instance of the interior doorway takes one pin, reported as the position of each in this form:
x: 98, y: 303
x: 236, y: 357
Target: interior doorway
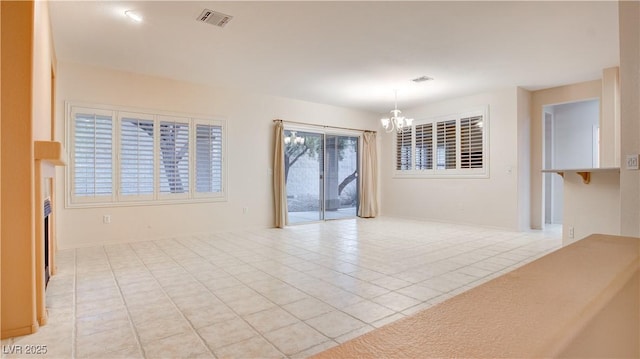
x: 571, y: 141
x: 321, y: 174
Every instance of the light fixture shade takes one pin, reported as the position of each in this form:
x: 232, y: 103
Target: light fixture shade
x: 385, y: 122
x: 409, y: 121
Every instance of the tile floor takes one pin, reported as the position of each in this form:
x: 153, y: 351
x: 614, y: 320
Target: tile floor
x: 268, y: 293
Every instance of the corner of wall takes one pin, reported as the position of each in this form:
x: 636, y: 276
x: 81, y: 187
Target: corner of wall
x: 551, y: 96
x: 17, y: 238
x: 524, y: 158
x: 629, y: 20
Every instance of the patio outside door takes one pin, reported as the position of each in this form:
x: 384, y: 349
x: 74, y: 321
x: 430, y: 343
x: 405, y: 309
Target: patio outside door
x: 321, y: 172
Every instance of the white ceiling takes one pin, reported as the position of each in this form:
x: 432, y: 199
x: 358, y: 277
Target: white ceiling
x: 351, y: 54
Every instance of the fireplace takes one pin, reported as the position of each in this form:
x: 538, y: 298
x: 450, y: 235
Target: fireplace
x: 48, y: 155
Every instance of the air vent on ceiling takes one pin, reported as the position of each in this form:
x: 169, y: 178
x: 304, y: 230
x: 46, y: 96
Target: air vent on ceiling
x: 422, y: 79
x: 214, y: 18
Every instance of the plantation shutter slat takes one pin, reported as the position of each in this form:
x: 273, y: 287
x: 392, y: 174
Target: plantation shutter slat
x: 174, y: 157
x: 208, y: 158
x: 403, y: 149
x: 424, y: 146
x: 471, y: 146
x: 136, y: 157
x: 93, y: 155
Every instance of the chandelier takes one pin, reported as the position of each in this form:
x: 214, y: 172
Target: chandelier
x: 293, y: 139
x: 396, y: 121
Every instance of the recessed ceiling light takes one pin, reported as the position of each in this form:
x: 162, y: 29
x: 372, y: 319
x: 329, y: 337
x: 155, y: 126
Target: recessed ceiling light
x: 133, y: 15
x: 422, y: 79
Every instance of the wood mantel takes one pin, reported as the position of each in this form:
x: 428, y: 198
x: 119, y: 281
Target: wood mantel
x: 50, y: 151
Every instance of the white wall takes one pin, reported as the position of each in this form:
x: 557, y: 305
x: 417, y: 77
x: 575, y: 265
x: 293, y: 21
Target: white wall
x: 524, y: 159
x: 249, y: 144
x: 42, y: 68
x: 591, y: 208
x: 629, y: 15
x: 549, y: 178
x: 573, y: 133
x: 489, y: 201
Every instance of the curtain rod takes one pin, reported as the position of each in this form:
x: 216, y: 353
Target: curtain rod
x: 325, y: 126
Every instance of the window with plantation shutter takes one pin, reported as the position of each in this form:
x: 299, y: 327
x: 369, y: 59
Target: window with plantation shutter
x: 174, y: 157
x: 208, y: 158
x: 403, y: 149
x: 424, y: 146
x: 137, y: 139
x: 143, y: 157
x: 93, y: 154
x: 447, y: 146
x: 471, y: 148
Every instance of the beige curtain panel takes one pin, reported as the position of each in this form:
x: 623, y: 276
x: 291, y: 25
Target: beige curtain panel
x: 369, y: 177
x: 279, y: 183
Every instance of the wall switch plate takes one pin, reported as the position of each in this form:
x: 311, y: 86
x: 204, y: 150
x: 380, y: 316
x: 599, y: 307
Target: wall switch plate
x: 571, y: 232
x: 632, y: 162
x: 106, y: 219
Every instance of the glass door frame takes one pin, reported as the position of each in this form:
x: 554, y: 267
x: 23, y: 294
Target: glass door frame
x: 331, y: 132
x: 341, y: 133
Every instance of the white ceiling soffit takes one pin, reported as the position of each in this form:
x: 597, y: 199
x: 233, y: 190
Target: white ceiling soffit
x: 350, y: 54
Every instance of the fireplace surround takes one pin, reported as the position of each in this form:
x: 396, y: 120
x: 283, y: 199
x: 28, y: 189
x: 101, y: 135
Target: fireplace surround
x: 48, y: 155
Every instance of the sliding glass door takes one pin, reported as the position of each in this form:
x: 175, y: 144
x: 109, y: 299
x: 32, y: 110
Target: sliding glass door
x: 303, y: 170
x: 321, y: 172
x: 341, y: 180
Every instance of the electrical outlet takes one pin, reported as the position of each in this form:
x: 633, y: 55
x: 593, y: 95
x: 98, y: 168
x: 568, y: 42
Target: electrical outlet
x: 106, y: 219
x: 632, y: 162
x: 245, y: 210
x: 571, y: 232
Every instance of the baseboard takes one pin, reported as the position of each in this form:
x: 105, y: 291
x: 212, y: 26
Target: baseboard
x: 16, y: 332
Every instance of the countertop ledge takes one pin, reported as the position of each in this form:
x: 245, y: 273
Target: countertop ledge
x: 597, y: 169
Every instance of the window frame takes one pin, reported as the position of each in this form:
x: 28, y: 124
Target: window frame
x: 117, y: 198
x: 456, y: 172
